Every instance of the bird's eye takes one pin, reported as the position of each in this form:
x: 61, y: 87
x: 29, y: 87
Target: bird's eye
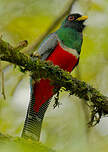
x: 71, y: 18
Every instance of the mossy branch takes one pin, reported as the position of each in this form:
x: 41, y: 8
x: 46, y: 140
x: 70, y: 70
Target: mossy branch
x: 44, y: 69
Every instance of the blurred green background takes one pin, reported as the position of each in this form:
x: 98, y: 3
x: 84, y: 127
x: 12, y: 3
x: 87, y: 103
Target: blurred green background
x: 64, y: 128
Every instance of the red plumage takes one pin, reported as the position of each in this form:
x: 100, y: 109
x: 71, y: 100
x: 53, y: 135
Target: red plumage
x: 43, y: 90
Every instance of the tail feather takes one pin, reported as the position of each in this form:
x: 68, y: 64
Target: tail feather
x: 33, y: 121
x: 41, y: 94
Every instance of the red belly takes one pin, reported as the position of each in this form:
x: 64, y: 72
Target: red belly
x: 43, y: 90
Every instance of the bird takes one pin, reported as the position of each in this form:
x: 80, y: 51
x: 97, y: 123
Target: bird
x: 62, y: 48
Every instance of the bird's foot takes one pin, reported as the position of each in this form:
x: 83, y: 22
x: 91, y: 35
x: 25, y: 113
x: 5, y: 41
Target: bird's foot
x: 36, y: 54
x: 56, y: 104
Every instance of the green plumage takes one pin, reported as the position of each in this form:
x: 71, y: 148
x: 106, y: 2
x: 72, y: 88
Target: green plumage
x: 70, y: 38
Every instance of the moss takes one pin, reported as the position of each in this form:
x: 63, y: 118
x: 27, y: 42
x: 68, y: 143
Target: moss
x: 44, y: 69
x: 11, y: 144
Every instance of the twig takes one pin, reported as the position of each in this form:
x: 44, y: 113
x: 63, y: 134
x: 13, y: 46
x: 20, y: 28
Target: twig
x: 3, y: 86
x: 21, y: 45
x: 2, y: 81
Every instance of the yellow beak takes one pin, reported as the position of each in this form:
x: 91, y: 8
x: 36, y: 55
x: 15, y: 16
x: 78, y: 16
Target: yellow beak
x: 82, y: 18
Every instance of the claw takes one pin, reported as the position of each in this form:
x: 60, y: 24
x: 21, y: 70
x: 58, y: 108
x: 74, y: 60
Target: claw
x: 36, y: 54
x: 56, y: 104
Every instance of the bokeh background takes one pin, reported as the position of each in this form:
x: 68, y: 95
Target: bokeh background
x: 64, y: 128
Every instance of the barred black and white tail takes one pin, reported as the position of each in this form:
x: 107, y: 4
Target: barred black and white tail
x: 33, y: 121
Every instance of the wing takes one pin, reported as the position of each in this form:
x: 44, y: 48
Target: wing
x: 48, y: 46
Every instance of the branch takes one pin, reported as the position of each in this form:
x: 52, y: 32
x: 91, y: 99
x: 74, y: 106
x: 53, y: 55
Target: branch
x: 34, y: 45
x: 44, y: 69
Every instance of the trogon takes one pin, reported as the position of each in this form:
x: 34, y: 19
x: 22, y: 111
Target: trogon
x: 62, y: 48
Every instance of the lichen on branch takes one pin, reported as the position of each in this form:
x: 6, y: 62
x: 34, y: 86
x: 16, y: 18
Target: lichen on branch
x: 44, y: 69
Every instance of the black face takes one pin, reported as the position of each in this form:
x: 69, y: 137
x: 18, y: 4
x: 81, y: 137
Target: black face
x: 75, y: 21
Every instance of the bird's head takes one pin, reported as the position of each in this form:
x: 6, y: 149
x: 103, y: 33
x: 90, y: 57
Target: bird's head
x: 75, y: 21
